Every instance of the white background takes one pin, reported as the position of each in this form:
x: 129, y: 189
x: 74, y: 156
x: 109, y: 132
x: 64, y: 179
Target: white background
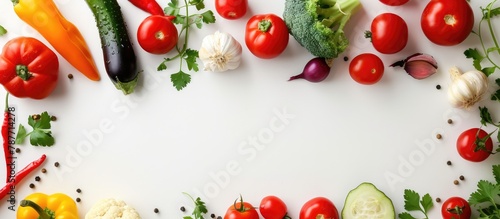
x: 149, y: 147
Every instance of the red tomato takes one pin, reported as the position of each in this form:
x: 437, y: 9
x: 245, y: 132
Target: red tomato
x: 456, y: 207
x: 319, y: 207
x: 157, y: 34
x: 447, y: 22
x: 231, y: 9
x: 394, y: 2
x: 266, y: 35
x: 241, y: 210
x: 366, y: 68
x: 467, y: 148
x: 389, y: 33
x: 28, y: 68
x: 272, y: 207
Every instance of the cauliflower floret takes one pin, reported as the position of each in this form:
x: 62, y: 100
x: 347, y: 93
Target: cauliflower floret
x: 112, y: 209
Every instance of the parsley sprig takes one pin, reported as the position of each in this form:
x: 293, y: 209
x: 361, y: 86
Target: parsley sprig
x: 40, y: 135
x: 184, y: 53
x: 199, y: 210
x: 486, y: 120
x: 486, y: 199
x: 488, y: 13
x: 413, y: 202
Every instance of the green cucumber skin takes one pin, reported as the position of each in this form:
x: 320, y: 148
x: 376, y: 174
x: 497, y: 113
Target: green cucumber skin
x: 119, y: 55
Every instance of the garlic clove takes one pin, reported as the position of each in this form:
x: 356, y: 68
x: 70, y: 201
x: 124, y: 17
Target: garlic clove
x: 420, y: 69
x: 418, y: 65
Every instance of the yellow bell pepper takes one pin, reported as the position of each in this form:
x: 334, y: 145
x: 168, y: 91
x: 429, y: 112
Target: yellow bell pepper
x: 42, y: 206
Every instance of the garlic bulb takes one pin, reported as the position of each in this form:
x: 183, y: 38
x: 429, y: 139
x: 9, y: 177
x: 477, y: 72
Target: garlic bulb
x: 220, y: 52
x: 466, y: 89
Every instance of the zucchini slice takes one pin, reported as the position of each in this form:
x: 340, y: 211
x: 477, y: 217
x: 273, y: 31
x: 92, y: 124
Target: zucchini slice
x: 366, y: 201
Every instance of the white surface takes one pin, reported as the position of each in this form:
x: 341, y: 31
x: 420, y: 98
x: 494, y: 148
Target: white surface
x: 250, y: 131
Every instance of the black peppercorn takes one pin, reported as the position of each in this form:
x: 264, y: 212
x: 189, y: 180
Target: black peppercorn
x: 78, y: 200
x: 156, y: 210
x: 448, y: 163
x: 438, y: 87
x: 37, y: 178
x: 56, y: 164
x: 79, y: 190
x: 32, y: 185
x: 183, y: 209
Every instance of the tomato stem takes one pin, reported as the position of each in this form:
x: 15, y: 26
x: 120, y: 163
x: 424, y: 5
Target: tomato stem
x: 264, y: 25
x: 23, y: 72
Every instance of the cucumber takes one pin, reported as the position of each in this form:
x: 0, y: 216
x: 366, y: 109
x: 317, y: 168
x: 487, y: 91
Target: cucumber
x: 119, y: 55
x: 366, y: 201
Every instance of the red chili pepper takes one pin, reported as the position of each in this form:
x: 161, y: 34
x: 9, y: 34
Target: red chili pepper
x: 150, y: 6
x: 5, y: 136
x: 21, y: 175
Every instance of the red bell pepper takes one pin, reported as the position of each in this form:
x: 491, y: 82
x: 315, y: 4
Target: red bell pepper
x: 150, y: 6
x: 28, y: 68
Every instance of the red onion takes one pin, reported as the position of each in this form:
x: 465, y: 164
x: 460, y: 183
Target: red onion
x: 316, y: 70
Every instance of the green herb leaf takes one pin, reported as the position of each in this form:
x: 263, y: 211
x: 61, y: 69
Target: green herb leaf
x: 426, y: 202
x: 190, y: 56
x: 162, y: 67
x: 406, y: 215
x: 3, y: 31
x: 414, y: 203
x: 208, y: 17
x: 475, y: 56
x: 180, y: 80
x: 199, y: 210
x: 485, y: 116
x: 496, y: 173
x: 21, y: 134
x: 494, y: 12
x: 40, y: 135
x: 486, y: 191
x: 412, y: 200
x: 488, y: 70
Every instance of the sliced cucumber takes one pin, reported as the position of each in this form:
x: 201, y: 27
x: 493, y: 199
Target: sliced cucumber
x: 366, y: 201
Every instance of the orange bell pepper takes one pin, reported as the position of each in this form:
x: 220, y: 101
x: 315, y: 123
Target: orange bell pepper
x: 64, y: 36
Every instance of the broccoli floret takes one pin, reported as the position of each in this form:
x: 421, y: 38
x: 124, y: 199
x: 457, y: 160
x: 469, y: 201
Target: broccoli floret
x: 318, y: 24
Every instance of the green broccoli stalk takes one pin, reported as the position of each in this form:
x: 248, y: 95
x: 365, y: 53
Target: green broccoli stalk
x: 318, y: 25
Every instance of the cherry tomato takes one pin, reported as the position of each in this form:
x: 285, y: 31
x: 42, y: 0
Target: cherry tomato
x: 366, y: 68
x: 241, y: 210
x: 394, y: 2
x: 272, y: 207
x: 231, y: 9
x: 319, y: 207
x: 266, y: 35
x: 466, y: 146
x: 157, y: 34
x: 447, y: 22
x: 389, y: 33
x: 456, y: 207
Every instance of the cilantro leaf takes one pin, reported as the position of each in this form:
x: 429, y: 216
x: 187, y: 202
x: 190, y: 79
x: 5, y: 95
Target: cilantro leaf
x: 3, y: 31
x: 180, y: 80
x: 426, y: 202
x: 475, y: 56
x: 21, y: 134
x: 186, y: 21
x: 414, y: 203
x: 190, y: 57
x: 485, y: 116
x: 162, y: 67
x: 488, y: 70
x: 208, y: 17
x: 406, y: 215
x: 199, y: 210
x: 411, y: 200
x: 40, y: 135
x: 496, y: 173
